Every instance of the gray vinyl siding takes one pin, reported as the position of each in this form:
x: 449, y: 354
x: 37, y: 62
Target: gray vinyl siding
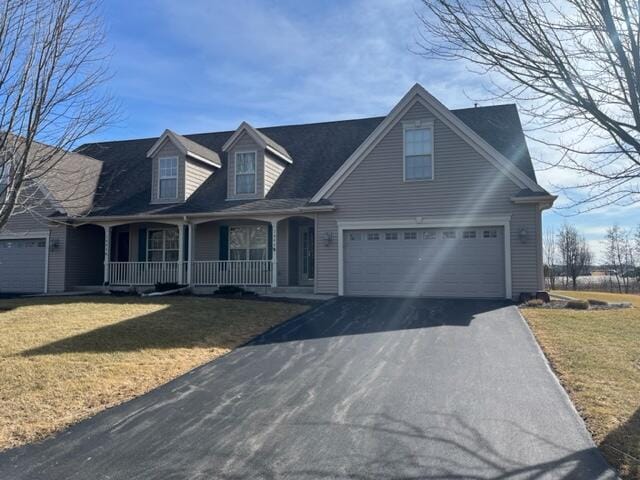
x: 168, y: 149
x: 84, y: 256
x: 245, y: 144
x: 195, y: 175
x: 464, y: 184
x: 35, y: 221
x: 273, y: 167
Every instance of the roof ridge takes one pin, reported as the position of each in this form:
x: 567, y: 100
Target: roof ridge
x: 325, y: 122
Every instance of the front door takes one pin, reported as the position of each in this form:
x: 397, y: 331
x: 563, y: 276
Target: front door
x: 306, y: 252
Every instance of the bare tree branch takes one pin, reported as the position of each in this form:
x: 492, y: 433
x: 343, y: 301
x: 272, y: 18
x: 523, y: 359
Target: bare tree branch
x: 52, y: 72
x: 575, y: 67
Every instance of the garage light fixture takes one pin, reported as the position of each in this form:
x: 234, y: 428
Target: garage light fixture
x: 522, y: 235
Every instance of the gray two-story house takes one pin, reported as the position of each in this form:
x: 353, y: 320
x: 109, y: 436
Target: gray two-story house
x: 424, y: 201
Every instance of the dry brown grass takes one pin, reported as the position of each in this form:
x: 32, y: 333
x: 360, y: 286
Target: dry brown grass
x: 597, y: 357
x: 65, y: 359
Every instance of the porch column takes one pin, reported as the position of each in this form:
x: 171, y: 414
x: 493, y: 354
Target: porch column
x: 191, y: 230
x: 180, y: 253
x: 274, y: 250
x: 107, y: 252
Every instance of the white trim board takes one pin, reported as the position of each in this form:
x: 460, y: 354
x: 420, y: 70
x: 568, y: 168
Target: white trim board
x: 46, y: 234
x: 422, y: 222
x: 418, y: 94
x: 169, y: 135
x: 257, y: 137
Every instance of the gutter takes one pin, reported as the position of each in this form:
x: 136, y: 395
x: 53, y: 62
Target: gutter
x: 187, y: 216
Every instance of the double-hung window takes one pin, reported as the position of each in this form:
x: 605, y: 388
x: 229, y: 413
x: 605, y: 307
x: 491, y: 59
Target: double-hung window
x: 248, y: 242
x: 168, y: 178
x: 245, y: 172
x: 162, y: 245
x: 418, y: 153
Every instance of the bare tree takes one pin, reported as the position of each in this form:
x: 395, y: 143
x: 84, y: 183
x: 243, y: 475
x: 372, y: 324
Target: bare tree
x: 620, y: 256
x: 550, y: 256
x: 575, y: 67
x: 52, y: 71
x: 575, y: 253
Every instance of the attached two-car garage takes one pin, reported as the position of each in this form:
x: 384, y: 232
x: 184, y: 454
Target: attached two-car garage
x: 464, y: 262
x: 22, y: 265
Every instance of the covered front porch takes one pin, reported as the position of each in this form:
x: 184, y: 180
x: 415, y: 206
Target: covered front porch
x: 247, y: 252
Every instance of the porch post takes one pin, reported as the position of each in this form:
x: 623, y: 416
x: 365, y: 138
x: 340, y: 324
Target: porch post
x: 107, y: 252
x: 274, y: 251
x: 191, y: 230
x: 180, y: 253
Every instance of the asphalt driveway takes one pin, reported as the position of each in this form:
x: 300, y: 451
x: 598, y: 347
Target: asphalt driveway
x: 357, y: 388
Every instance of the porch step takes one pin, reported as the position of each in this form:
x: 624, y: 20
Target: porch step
x: 304, y: 290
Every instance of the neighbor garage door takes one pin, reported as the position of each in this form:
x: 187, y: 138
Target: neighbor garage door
x: 447, y: 262
x: 22, y: 265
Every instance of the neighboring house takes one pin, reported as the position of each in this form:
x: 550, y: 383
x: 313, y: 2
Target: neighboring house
x: 422, y: 202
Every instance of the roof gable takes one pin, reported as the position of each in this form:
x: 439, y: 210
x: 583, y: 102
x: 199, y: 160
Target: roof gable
x: 418, y: 94
x: 260, y: 138
x: 186, y: 147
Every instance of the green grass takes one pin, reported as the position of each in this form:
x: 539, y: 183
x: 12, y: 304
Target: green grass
x: 65, y: 359
x: 596, y: 355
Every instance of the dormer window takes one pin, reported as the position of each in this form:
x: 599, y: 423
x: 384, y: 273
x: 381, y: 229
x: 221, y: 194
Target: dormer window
x: 245, y: 173
x: 168, y: 178
x: 418, y: 152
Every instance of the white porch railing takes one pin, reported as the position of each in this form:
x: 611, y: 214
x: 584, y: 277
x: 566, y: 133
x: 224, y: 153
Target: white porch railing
x: 220, y: 272
x: 146, y: 273
x: 231, y: 272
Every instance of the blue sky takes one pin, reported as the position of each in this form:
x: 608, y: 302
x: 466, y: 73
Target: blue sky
x: 202, y: 65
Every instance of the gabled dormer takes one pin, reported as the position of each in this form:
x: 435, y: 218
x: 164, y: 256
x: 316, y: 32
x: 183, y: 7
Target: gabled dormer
x: 255, y: 162
x: 179, y: 167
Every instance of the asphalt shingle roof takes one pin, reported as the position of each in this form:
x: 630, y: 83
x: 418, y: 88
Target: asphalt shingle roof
x: 317, y: 150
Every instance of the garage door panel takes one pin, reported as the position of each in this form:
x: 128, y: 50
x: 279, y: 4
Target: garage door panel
x: 425, y: 262
x: 22, y: 263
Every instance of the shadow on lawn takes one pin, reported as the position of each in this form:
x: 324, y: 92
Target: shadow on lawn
x: 181, y: 326
x: 622, y: 447
x: 182, y: 322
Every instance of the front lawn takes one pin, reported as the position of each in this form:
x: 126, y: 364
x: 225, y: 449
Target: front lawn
x: 64, y: 359
x: 596, y: 355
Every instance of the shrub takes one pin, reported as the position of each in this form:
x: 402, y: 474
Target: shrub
x: 535, y: 302
x: 578, y: 304
x: 166, y: 286
x: 594, y: 302
x: 229, y: 290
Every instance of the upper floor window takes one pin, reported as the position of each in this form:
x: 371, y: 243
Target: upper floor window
x: 245, y: 172
x: 418, y: 153
x: 168, y: 177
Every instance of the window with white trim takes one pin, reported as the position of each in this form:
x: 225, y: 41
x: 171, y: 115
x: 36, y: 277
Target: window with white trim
x: 469, y: 234
x: 373, y: 236
x: 429, y: 235
x: 248, y: 242
x: 162, y: 245
x: 167, y: 178
x: 490, y: 234
x: 418, y: 153
x: 449, y: 234
x: 391, y: 236
x: 245, y: 172
x: 410, y: 235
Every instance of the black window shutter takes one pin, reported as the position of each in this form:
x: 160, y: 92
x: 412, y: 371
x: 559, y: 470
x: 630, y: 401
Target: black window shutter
x: 142, y: 245
x: 270, y: 244
x: 224, y: 242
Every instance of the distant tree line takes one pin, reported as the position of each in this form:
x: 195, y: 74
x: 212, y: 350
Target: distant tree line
x: 569, y: 262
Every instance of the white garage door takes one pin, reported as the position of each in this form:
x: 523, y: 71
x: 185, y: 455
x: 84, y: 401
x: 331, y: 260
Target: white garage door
x: 22, y: 265
x: 442, y: 262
